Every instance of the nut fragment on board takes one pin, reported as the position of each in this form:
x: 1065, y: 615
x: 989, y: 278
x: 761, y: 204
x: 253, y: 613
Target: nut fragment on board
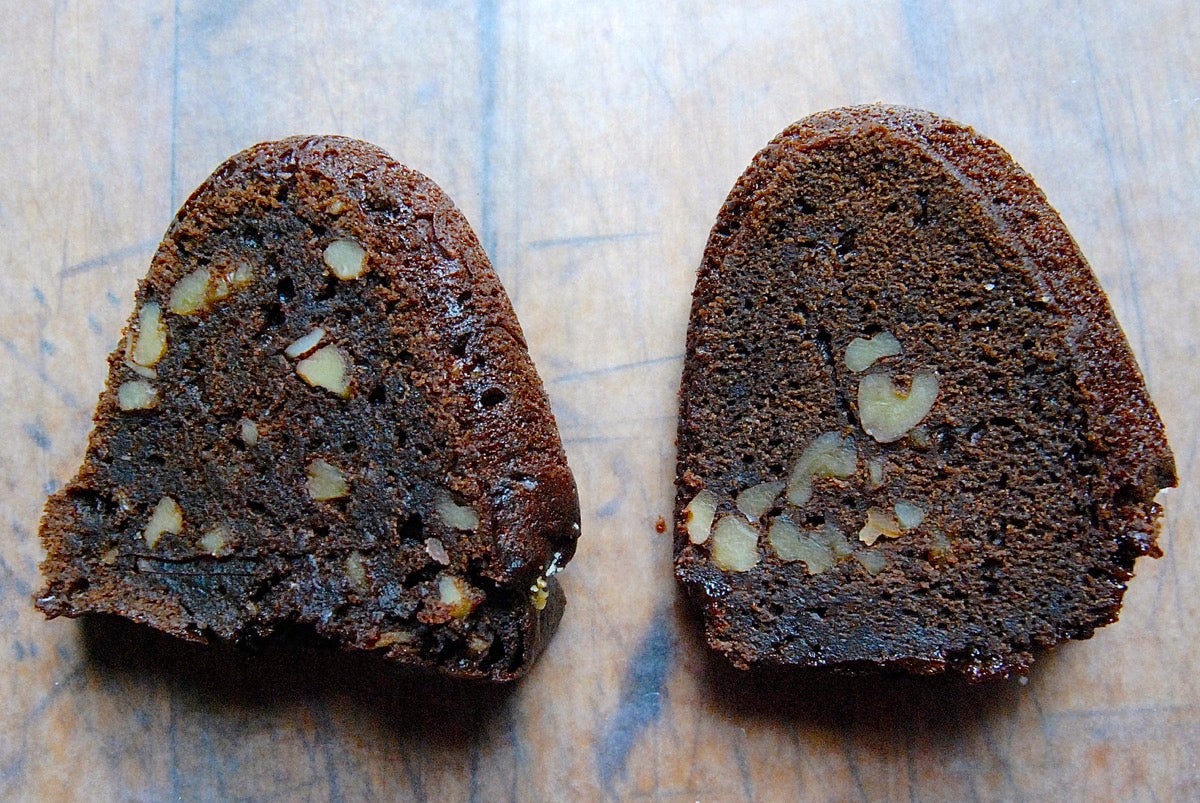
x: 248, y: 430
x: 879, y: 523
x: 217, y: 541
x: 458, y: 596
x: 303, y: 346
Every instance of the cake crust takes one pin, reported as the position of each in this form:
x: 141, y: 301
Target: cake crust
x: 325, y: 381
x: 1004, y: 517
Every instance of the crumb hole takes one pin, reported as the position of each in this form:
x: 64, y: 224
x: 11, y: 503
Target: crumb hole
x: 413, y: 529
x: 328, y: 289
x: 273, y: 315
x: 846, y: 243
x: 492, y: 396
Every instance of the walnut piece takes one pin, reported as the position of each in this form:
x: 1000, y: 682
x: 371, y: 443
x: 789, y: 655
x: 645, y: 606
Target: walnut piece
x: 457, y: 596
x: 325, y: 481
x: 190, y: 294
x: 454, y: 515
x: 356, y: 570
x: 698, y: 516
x: 886, y: 413
x: 874, y: 562
x: 829, y: 455
x: 249, y: 432
x: 539, y: 593
x: 141, y: 370
x: 478, y: 644
x: 879, y: 523
x: 166, y: 518
x: 734, y: 545
x: 437, y: 551
x: 346, y: 259
x: 861, y: 353
x: 876, y: 472
x: 137, y: 395
x: 303, y: 346
x: 396, y: 638
x: 909, y: 515
x: 835, y: 539
x: 790, y: 544
x: 758, y: 499
x: 217, y: 541
x: 148, y: 345
x: 327, y: 368
x: 224, y: 284
x: 939, y: 548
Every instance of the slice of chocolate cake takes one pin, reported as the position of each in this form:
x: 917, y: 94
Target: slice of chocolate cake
x: 322, y: 415
x: 911, y: 434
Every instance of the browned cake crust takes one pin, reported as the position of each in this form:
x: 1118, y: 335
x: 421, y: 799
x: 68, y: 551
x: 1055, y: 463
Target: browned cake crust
x: 322, y: 414
x: 975, y: 487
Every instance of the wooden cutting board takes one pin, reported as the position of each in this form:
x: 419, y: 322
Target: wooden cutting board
x: 591, y: 146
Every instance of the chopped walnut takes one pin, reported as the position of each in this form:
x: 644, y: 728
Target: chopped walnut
x: 699, y: 514
x: 326, y: 481
x: 862, y: 353
x: 148, y: 345
x: 886, y: 413
x: 758, y: 499
x: 454, y: 515
x: 137, y: 395
x: 829, y: 455
x: 327, y: 368
x: 734, y: 545
x: 166, y: 518
x: 346, y: 259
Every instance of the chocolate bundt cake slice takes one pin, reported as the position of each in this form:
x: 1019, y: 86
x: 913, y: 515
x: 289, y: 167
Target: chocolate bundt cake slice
x: 911, y: 433
x: 322, y: 415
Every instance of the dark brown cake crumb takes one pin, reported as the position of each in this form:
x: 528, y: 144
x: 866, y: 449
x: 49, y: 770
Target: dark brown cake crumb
x: 912, y: 434
x: 322, y: 414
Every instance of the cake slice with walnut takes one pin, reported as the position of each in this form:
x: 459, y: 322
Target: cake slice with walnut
x: 911, y: 433
x: 322, y: 414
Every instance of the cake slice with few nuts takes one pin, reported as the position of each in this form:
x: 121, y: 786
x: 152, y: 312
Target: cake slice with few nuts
x: 322, y: 413
x: 911, y: 435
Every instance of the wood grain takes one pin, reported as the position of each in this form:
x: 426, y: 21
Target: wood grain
x: 591, y: 146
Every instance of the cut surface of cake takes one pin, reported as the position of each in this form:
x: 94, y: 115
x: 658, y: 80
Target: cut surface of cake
x: 322, y: 415
x: 912, y: 435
